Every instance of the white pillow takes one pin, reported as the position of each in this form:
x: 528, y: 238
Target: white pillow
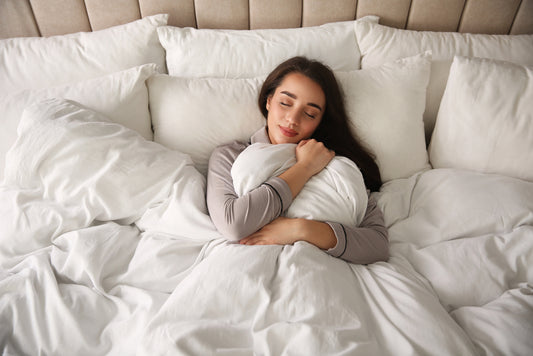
x: 80, y: 159
x: 122, y: 96
x: 380, y: 44
x: 34, y: 63
x: 195, y: 116
x: 385, y: 105
x: 250, y: 53
x: 485, y: 121
x: 337, y: 193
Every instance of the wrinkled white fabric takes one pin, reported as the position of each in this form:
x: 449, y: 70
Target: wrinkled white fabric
x: 471, y: 236
x: 71, y: 167
x: 336, y: 194
x: 89, y: 267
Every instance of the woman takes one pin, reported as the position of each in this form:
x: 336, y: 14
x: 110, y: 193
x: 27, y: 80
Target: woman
x: 302, y: 103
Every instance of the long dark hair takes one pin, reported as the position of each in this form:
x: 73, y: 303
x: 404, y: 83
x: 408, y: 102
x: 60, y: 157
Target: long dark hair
x: 334, y: 130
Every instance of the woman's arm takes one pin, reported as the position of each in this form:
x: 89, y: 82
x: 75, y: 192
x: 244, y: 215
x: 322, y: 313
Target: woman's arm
x: 367, y: 243
x: 237, y: 217
x: 311, y: 157
x: 286, y: 231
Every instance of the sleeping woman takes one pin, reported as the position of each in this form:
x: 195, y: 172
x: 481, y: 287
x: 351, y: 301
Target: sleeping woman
x: 303, y: 105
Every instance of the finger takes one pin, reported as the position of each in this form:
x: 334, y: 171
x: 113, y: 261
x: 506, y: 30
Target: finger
x: 254, y: 242
x: 245, y: 240
x: 251, y: 240
x: 260, y: 241
x: 302, y: 142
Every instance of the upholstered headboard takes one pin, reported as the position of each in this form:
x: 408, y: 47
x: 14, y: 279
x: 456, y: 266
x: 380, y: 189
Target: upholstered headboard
x: 54, y: 17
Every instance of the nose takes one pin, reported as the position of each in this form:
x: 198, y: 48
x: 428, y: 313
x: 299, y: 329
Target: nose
x: 293, y: 117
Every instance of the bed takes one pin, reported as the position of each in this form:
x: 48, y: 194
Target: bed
x: 110, y: 110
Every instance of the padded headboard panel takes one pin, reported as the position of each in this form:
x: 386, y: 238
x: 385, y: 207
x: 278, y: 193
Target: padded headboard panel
x: 54, y: 17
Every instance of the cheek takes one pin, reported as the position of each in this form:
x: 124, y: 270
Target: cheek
x: 273, y: 113
x: 311, y: 126
x: 271, y: 119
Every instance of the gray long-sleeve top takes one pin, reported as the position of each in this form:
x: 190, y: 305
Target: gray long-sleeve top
x: 238, y: 217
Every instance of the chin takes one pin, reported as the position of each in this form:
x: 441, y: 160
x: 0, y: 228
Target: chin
x: 288, y: 140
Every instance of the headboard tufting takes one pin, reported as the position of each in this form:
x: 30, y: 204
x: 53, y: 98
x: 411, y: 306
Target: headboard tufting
x: 54, y: 17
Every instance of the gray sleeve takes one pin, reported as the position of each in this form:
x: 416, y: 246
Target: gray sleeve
x: 363, y: 244
x: 238, y: 217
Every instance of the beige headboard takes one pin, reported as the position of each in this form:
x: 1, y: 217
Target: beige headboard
x: 53, y: 17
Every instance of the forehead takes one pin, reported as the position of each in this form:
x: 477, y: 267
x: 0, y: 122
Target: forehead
x: 302, y: 87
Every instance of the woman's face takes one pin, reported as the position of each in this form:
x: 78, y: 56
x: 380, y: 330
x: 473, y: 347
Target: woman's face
x: 295, y: 109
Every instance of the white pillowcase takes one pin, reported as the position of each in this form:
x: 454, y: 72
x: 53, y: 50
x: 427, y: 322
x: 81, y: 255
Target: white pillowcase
x: 380, y: 44
x: 195, y: 116
x: 485, y: 121
x: 250, y: 53
x: 34, y: 63
x: 77, y: 158
x: 386, y: 104
x: 336, y: 194
x: 121, y: 96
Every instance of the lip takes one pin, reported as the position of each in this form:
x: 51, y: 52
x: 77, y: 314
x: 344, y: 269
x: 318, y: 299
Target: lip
x: 287, y: 132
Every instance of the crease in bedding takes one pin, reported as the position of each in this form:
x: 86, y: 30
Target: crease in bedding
x: 142, y: 270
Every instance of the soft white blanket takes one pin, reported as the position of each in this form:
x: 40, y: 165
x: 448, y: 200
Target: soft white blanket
x: 471, y: 236
x: 107, y: 249
x: 335, y: 194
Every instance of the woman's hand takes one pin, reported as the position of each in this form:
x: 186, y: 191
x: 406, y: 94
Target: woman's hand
x: 311, y: 157
x: 281, y: 231
x: 286, y: 231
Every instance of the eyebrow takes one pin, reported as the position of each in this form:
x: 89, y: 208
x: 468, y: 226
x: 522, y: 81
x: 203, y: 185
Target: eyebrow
x: 291, y: 95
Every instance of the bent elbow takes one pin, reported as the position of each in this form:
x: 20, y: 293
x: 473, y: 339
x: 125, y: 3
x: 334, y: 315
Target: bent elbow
x: 229, y: 222
x: 383, y: 253
x: 379, y: 251
x: 233, y: 233
x: 233, y: 230
x: 379, y: 254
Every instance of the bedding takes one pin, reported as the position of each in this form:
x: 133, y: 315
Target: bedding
x: 181, y: 119
x: 385, y: 106
x: 204, y: 296
x: 79, y: 162
x: 325, y: 197
x: 107, y: 247
x: 36, y: 63
x: 251, y: 53
x: 380, y: 44
x: 489, y: 102
x: 121, y: 96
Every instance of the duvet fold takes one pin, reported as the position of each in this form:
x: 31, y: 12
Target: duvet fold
x: 106, y: 247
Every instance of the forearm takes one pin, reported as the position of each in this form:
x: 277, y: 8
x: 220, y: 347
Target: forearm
x: 360, y: 245
x: 367, y: 243
x: 317, y: 233
x: 352, y: 244
x: 311, y: 158
x: 296, y: 177
x: 236, y: 217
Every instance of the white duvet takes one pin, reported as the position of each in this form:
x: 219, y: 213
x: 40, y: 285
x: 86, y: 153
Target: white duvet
x: 336, y: 194
x: 107, y: 248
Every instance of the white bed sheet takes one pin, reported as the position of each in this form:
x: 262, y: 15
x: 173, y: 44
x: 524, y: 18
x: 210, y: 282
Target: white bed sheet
x: 471, y: 236
x: 458, y: 282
